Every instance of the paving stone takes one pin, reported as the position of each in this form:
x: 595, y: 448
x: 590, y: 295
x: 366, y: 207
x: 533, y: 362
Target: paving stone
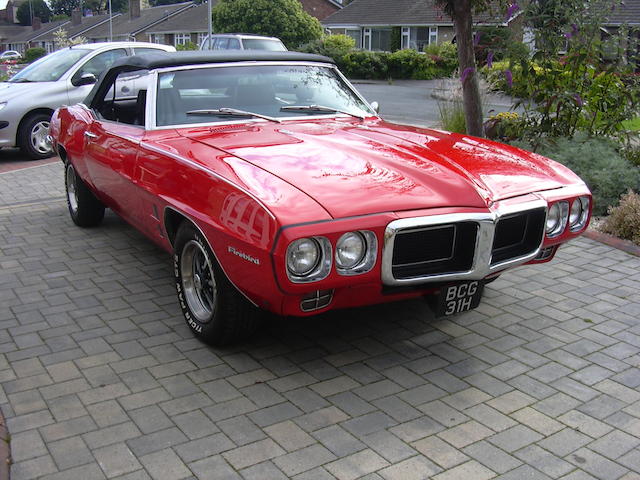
x: 338, y: 440
x: 290, y: 436
x: 70, y: 452
x: 356, y: 465
x: 466, y: 434
x: 117, y: 459
x: 204, y: 447
x: 596, y: 465
x: 369, y: 423
x: 471, y: 470
x: 389, y: 446
x: 539, y: 422
x: 213, y: 468
x: 303, y: 459
x: 165, y: 465
x: 614, y: 444
x: 263, y: 471
x: 414, y: 468
x: 253, y: 453
x: 440, y: 452
x: 544, y: 461
x: 564, y: 442
x: 515, y: 438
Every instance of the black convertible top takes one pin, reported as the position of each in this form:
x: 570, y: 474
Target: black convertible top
x: 176, y: 59
x: 160, y: 59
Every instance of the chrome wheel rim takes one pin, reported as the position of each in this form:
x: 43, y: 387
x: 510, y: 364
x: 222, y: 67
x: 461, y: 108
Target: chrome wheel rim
x: 38, y: 137
x: 198, y: 282
x: 72, y: 189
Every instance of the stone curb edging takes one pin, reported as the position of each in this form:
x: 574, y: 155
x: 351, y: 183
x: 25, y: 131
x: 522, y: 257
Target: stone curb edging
x: 615, y: 242
x: 5, y: 452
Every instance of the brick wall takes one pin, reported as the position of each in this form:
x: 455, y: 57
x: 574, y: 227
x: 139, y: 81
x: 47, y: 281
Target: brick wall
x: 320, y: 9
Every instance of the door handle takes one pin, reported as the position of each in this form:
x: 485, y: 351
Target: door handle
x: 90, y: 135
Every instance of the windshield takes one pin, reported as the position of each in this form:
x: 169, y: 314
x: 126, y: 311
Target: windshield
x: 51, y: 67
x: 263, y: 44
x: 264, y: 90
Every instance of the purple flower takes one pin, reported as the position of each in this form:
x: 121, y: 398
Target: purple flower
x: 578, y: 100
x: 508, y: 76
x: 467, y: 71
x: 513, y: 8
x: 476, y: 38
x: 490, y: 59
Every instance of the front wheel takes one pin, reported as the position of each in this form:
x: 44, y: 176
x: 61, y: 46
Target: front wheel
x: 213, y: 308
x: 33, y: 136
x: 85, y: 209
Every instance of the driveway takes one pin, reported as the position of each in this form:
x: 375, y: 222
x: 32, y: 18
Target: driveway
x: 416, y: 102
x: 100, y: 377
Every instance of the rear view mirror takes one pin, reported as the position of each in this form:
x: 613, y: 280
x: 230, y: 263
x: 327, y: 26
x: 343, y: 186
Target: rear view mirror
x: 85, y: 79
x: 375, y: 106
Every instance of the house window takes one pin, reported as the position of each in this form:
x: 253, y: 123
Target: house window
x: 356, y: 34
x: 201, y: 37
x: 157, y: 38
x: 366, y: 44
x: 379, y: 39
x: 406, y: 37
x: 182, y: 39
x: 433, y: 35
x: 48, y: 46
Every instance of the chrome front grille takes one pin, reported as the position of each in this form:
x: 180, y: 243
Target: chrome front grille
x: 462, y: 246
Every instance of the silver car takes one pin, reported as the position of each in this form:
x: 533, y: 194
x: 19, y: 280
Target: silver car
x: 64, y: 77
x: 241, y: 41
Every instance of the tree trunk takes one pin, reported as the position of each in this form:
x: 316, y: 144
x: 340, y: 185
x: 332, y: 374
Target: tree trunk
x: 468, y: 71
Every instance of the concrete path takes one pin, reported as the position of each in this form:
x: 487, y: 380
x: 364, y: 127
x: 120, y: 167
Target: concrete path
x: 100, y: 378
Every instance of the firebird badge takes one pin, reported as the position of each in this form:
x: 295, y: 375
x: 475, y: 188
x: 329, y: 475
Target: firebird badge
x: 243, y: 255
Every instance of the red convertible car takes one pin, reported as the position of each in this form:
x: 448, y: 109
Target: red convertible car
x: 277, y: 187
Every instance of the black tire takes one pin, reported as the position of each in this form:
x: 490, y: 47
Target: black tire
x: 32, y: 136
x: 213, y: 308
x: 85, y: 209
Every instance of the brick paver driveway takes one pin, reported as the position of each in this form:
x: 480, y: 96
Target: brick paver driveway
x: 100, y: 378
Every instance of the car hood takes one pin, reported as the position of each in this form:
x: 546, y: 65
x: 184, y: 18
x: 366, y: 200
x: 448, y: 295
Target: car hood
x: 354, y: 168
x: 9, y: 91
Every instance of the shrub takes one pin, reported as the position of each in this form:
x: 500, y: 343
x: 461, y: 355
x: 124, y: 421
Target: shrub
x: 411, y: 64
x: 445, y: 56
x: 32, y: 54
x: 598, y: 162
x: 333, y: 46
x: 632, y: 154
x: 366, y: 65
x: 452, y: 116
x: 624, y: 220
x: 187, y: 46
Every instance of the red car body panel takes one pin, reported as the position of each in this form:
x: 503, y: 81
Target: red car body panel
x: 254, y: 187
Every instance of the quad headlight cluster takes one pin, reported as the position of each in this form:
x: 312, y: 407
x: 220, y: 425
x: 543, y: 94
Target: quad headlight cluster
x: 562, y: 216
x: 310, y: 259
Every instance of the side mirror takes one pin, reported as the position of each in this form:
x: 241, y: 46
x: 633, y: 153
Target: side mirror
x: 375, y: 106
x: 85, y: 79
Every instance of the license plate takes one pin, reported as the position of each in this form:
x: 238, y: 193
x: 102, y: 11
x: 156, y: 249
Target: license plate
x: 459, y: 297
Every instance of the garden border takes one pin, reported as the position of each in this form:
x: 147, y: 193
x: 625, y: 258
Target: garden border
x: 615, y: 242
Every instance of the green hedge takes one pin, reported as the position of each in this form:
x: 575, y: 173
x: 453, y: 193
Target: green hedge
x: 598, y: 162
x: 437, y: 61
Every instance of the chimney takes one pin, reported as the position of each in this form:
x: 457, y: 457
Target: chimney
x: 134, y: 8
x: 76, y: 17
x: 36, y: 23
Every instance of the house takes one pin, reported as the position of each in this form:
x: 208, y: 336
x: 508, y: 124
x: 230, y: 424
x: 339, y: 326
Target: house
x: 135, y: 24
x: 321, y: 9
x: 420, y: 22
x: 189, y: 25
x: 78, y: 26
x: 9, y: 31
x: 34, y: 35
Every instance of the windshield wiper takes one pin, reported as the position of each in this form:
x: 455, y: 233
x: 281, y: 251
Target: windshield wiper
x: 318, y: 108
x: 21, y: 80
x: 232, y: 112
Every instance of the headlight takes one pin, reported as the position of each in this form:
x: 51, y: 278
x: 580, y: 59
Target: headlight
x: 356, y: 252
x: 350, y: 250
x: 557, y: 218
x: 579, y: 213
x: 303, y: 256
x: 308, y: 259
